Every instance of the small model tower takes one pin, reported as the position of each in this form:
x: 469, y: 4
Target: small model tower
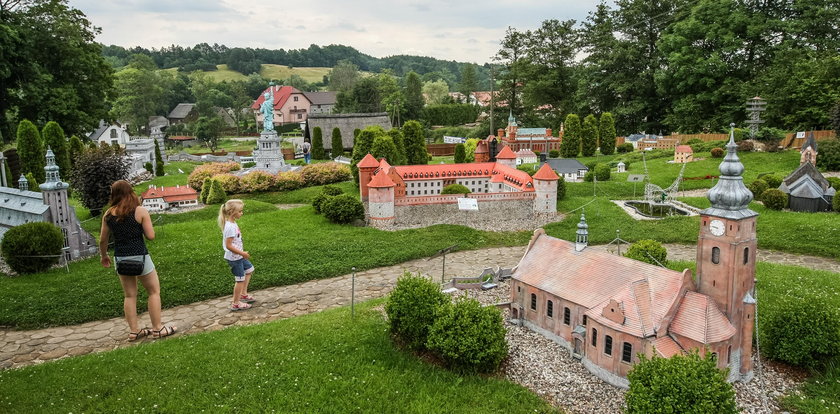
x: 506, y: 157
x: 726, y: 251
x: 23, y: 183
x: 54, y: 192
x: 809, y: 150
x: 482, y: 151
x: 381, y: 199
x: 367, y: 166
x: 545, y: 187
x: 582, y: 239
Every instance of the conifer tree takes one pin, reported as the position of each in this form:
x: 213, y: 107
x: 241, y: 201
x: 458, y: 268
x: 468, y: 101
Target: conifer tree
x: 205, y: 190
x: 33, y: 183
x: 415, y: 143
x: 460, y: 154
x: 362, y: 145
x: 337, y: 143
x: 217, y: 194
x: 589, y: 136
x: 383, y: 147
x: 31, y: 150
x: 159, y: 161
x: 55, y: 140
x: 606, y: 133
x: 318, y: 144
x: 399, y: 142
x: 76, y: 149
x: 570, y: 147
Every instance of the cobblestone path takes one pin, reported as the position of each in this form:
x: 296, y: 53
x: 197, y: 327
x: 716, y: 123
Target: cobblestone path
x: 21, y: 348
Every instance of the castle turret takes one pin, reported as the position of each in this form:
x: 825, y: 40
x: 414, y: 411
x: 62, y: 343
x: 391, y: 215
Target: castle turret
x: 381, y: 199
x: 545, y: 187
x: 482, y: 151
x: 54, y: 192
x: 23, y: 183
x: 366, y: 167
x: 582, y: 239
x: 506, y: 157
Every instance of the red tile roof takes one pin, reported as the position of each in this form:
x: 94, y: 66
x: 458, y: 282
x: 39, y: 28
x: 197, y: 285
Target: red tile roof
x: 381, y: 180
x: 684, y: 148
x: 666, y: 347
x: 368, y: 162
x: 169, y: 194
x: 699, y: 318
x: 511, y: 176
x: 506, y: 154
x: 525, y: 153
x: 383, y: 164
x: 481, y: 147
x: 546, y: 174
x: 281, y: 95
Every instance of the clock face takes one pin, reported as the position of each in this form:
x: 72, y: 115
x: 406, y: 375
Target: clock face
x: 717, y: 227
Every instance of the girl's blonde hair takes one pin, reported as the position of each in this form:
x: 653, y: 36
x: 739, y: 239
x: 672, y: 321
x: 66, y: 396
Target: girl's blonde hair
x: 228, y: 209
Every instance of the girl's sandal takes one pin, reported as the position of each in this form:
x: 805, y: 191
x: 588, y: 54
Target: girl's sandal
x: 133, y: 336
x: 164, y: 332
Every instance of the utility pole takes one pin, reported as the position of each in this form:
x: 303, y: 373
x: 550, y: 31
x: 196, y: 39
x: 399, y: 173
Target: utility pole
x: 492, y: 98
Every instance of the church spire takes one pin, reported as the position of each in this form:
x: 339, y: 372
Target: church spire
x: 53, y: 181
x: 582, y: 239
x: 730, y: 197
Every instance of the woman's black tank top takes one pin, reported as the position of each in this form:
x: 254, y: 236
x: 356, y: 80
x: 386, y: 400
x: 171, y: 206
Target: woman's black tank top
x: 128, y: 236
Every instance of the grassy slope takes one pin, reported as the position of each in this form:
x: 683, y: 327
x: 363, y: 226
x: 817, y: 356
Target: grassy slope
x: 322, y: 362
x: 269, y: 71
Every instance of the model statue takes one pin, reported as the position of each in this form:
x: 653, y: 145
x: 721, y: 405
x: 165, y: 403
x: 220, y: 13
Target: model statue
x: 267, y: 109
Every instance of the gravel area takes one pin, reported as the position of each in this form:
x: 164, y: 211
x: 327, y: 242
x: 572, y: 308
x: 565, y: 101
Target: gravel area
x: 548, y: 370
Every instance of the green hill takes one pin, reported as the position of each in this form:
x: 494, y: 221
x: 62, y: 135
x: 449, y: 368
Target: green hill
x: 270, y: 72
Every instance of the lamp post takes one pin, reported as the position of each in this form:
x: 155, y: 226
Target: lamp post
x: 353, y: 294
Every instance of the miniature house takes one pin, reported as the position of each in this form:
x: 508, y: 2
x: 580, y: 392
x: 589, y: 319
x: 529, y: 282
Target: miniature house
x: 683, y: 154
x: 806, y: 187
x: 164, y: 198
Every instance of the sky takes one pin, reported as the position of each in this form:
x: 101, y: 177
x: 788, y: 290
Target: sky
x: 465, y: 31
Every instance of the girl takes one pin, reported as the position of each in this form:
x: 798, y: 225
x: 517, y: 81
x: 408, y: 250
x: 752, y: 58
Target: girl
x: 237, y: 258
x: 129, y: 223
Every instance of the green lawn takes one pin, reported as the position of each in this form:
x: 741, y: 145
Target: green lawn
x: 225, y: 145
x: 323, y: 362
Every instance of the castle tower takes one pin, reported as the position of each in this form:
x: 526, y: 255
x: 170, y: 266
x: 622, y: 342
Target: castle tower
x: 23, y: 183
x: 506, y: 157
x: 545, y: 187
x: 726, y: 251
x: 809, y: 150
x: 512, y: 127
x: 381, y: 200
x: 366, y: 167
x: 582, y: 239
x: 54, y: 192
x: 482, y: 151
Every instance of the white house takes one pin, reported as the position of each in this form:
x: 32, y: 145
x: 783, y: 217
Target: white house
x: 110, y: 133
x: 163, y: 198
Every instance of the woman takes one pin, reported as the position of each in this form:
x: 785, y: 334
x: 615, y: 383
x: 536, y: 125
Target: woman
x: 129, y: 222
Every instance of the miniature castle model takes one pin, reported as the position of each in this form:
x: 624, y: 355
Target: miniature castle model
x: 20, y: 206
x: 683, y: 154
x: 140, y: 151
x: 164, y: 198
x: 395, y: 194
x: 607, y: 309
x: 806, y: 187
x: 535, y: 139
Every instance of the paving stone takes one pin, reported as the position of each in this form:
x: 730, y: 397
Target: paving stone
x: 25, y: 357
x: 56, y: 353
x: 96, y: 335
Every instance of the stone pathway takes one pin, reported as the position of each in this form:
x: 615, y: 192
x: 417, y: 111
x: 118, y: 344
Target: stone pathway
x: 22, y: 348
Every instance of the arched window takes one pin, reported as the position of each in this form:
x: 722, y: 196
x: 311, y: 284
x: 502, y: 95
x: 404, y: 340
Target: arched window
x: 608, y: 345
x: 715, y: 255
x: 627, y: 352
x: 533, y: 301
x: 746, y: 255
x: 549, y: 309
x: 594, y: 337
x: 113, y: 133
x: 567, y: 316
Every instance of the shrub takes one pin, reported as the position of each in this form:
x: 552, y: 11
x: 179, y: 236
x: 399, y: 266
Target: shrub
x: 746, y: 146
x: 554, y: 153
x: 325, y: 173
x: 561, y: 188
x: 205, y: 190
x: 159, y: 171
x: 774, y: 199
x: 717, y: 152
x: 835, y: 201
x: 455, y: 189
x: 229, y: 182
x: 217, y: 194
x: 679, y: 384
x: 326, y: 192
x: 32, y: 183
x: 32, y: 239
x: 289, y: 180
x: 411, y: 308
x: 602, y: 172
x: 197, y: 176
x: 256, y: 181
x: 148, y: 167
x: 570, y: 146
x: 96, y: 169
x: 318, y: 152
x: 337, y: 144
x: 460, y: 154
x: 249, y: 164
x: 54, y: 138
x: 648, y: 251
x: 469, y: 336
x: 802, y: 332
x: 343, y: 208
x: 834, y: 181
x: 772, y: 180
x: 829, y: 159
x: 30, y: 148
x: 758, y: 187
x: 624, y: 148
x: 606, y: 133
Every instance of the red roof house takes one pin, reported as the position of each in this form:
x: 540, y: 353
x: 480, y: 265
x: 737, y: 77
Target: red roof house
x: 163, y: 198
x: 290, y: 105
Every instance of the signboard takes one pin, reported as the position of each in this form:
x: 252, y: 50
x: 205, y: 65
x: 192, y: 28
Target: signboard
x: 635, y: 178
x: 800, y: 134
x: 453, y: 140
x: 467, y: 204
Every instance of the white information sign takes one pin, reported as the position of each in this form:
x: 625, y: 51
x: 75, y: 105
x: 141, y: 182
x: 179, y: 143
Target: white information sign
x: 468, y: 204
x: 800, y: 134
x: 453, y: 140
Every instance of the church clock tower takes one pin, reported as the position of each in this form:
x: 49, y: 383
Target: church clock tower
x: 726, y: 252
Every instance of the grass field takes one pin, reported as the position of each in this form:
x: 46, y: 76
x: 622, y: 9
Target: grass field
x: 225, y: 145
x: 323, y: 362
x: 270, y: 71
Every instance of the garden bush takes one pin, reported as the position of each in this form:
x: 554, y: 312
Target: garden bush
x: 717, y: 152
x: 230, y: 183
x: 803, y: 332
x: 96, y: 169
x: 561, y: 188
x: 411, y: 309
x: 834, y: 181
x: 256, y: 181
x: 149, y: 167
x: 758, y: 187
x: 343, y: 208
x: 469, y: 336
x: 197, y: 176
x: 648, y: 251
x: 32, y: 239
x: 829, y: 159
x: 217, y: 194
x: 774, y: 199
x: 460, y: 154
x: 325, y: 173
x: 624, y: 148
x: 289, y: 180
x: 685, y: 384
x: 205, y: 190
x: 455, y: 189
x: 602, y: 172
x: 772, y: 180
x: 326, y: 192
x: 746, y: 146
x: 554, y: 153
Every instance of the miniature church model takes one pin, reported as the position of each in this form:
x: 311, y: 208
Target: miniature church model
x: 806, y: 187
x: 608, y: 309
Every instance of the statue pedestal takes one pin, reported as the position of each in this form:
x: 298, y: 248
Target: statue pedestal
x: 267, y: 156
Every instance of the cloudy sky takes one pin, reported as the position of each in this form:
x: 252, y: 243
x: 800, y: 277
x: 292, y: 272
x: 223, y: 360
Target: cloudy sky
x: 452, y: 30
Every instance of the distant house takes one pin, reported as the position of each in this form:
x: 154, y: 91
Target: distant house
x: 321, y: 102
x: 657, y: 142
x: 290, y: 105
x: 183, y: 113
x: 346, y: 123
x: 535, y: 139
x: 164, y: 198
x: 110, y: 133
x: 158, y: 123
x: 225, y: 115
x: 525, y: 156
x: 568, y: 168
x: 482, y: 98
x: 683, y: 154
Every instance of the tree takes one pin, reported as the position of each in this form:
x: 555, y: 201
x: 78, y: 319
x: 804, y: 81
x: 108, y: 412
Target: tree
x: 570, y: 146
x: 597, y: 74
x: 337, y: 143
x: 606, y: 134
x: 512, y: 57
x: 415, y: 143
x: 589, y: 136
x: 208, y: 130
x: 362, y: 146
x: 469, y: 83
x: 139, y: 94
x: 469, y: 149
x: 217, y: 194
x: 76, y: 149
x: 413, y: 96
x: 31, y: 150
x: 33, y: 183
x: 835, y: 119
x: 679, y: 384
x: 158, y: 161
x: 54, y: 139
x: 549, y: 68
x: 399, y: 142
x: 343, y: 76
x: 460, y: 154
x: 318, y: 144
x: 383, y: 147
x: 436, y: 92
x: 96, y: 169
x: 648, y: 251
x: 366, y: 95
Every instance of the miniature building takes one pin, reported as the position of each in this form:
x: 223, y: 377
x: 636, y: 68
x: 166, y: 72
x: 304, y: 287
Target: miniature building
x: 525, y: 156
x: 621, y: 167
x: 806, y: 187
x: 683, y: 154
x: 141, y: 151
x: 396, y: 194
x: 164, y: 198
x: 110, y: 133
x: 607, y: 309
x: 290, y: 105
x: 657, y: 142
x: 535, y: 139
x: 346, y: 124
x: 569, y: 168
x: 20, y: 206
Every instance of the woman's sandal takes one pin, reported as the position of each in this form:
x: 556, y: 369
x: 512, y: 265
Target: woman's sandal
x: 164, y: 332
x: 133, y: 336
